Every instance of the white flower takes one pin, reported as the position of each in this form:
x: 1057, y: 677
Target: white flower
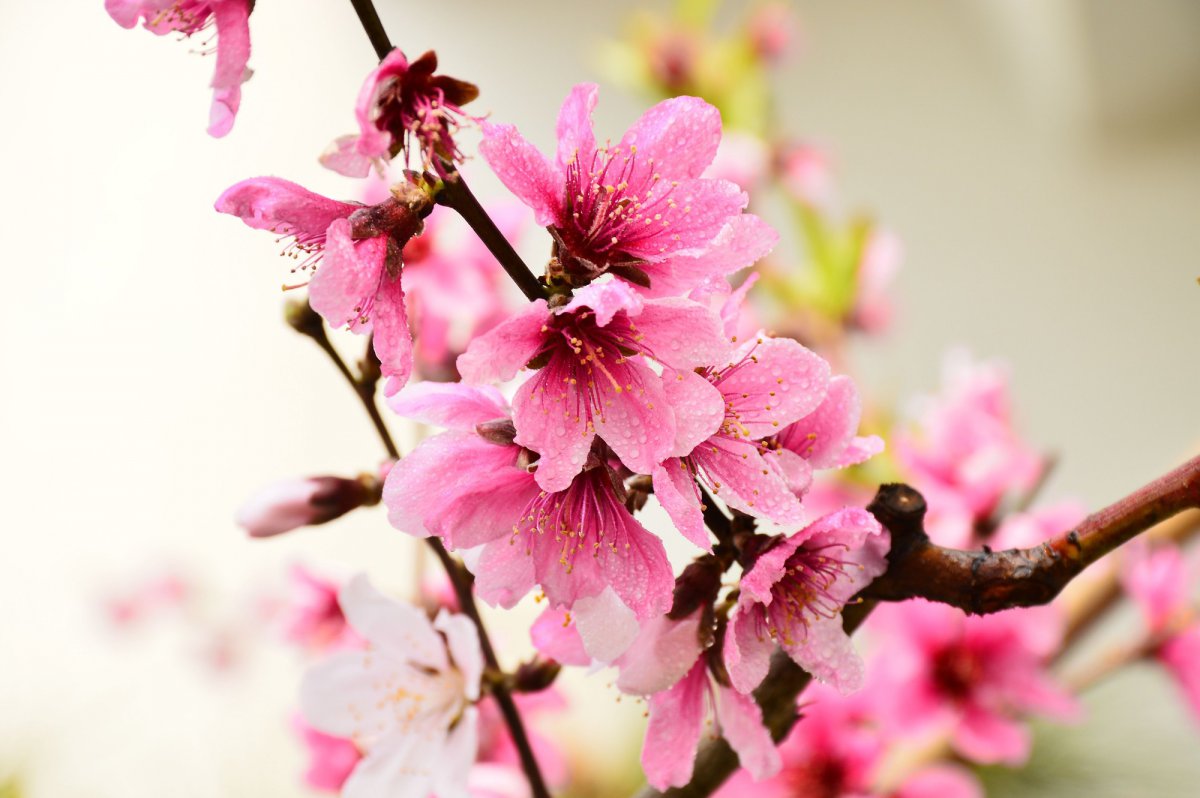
x: 405, y: 701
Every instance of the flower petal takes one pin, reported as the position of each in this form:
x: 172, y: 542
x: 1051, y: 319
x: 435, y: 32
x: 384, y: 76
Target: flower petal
x: 663, y: 652
x: 747, y: 655
x: 399, y: 630
x: 449, y: 404
x: 673, y: 733
x: 743, y: 241
x: 524, y: 170
x: 741, y: 724
x: 777, y: 382
x: 574, y: 129
x: 500, y: 353
x: 675, y: 488
x: 391, y: 337
x: 679, y: 136
x: 606, y: 626
x: 682, y: 334
x: 349, y: 278
x: 462, y: 638
x: 281, y: 206
x: 699, y: 409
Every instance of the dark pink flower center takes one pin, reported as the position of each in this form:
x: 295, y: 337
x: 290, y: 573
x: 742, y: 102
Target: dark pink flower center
x: 580, y: 521
x: 413, y: 103
x: 803, y: 592
x: 586, y: 364
x: 613, y: 205
x: 956, y: 672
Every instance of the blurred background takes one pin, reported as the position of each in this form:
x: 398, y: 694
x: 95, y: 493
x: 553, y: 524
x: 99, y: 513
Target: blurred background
x: 1039, y: 161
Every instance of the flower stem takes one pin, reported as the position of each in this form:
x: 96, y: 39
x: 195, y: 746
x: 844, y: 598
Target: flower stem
x: 459, y: 577
x: 457, y: 195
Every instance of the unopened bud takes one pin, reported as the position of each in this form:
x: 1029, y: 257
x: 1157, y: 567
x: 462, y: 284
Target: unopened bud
x: 535, y: 675
x: 302, y: 318
x: 500, y: 431
x: 294, y: 503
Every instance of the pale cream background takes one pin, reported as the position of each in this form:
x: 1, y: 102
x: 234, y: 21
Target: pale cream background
x: 1039, y: 160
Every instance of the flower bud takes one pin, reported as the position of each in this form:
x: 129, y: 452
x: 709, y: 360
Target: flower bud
x: 535, y: 675
x: 294, y: 503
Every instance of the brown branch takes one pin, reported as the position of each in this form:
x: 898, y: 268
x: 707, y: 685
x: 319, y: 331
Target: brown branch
x: 985, y: 581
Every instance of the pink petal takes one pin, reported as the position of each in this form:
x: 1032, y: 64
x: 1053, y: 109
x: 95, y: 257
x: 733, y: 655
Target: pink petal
x: 554, y: 636
x: 990, y: 738
x: 679, y: 135
x: 500, y: 353
x: 782, y: 383
x: 741, y: 724
x: 747, y: 655
x: 824, y: 650
x: 1158, y: 581
x: 374, y: 142
x: 284, y: 208
x: 796, y: 472
x: 574, y: 129
x: 223, y: 110
x: 682, y: 334
x: 504, y: 573
x: 743, y: 241
x: 343, y: 157
x: 606, y: 299
x: 699, y: 409
x: 748, y: 481
x: 694, y: 213
x: 398, y: 766
x: 1181, y: 656
x: 524, y: 170
x: 663, y: 652
x: 606, y: 626
x: 675, y: 488
x: 232, y: 19
x: 941, y: 781
x: 124, y: 12
x: 349, y: 277
x: 637, y: 424
x: 562, y: 438
x: 390, y: 334
x: 449, y: 404
x: 673, y: 733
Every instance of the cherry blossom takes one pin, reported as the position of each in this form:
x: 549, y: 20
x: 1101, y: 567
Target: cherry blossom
x: 973, y: 678
x: 591, y: 379
x: 723, y: 416
x: 637, y: 209
x: 405, y: 701
x: 403, y: 107
x: 793, y: 595
x: 358, y: 249
x: 229, y: 19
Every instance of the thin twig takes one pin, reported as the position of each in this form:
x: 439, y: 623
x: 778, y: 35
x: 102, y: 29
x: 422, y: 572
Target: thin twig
x: 371, y: 23
x: 457, y: 195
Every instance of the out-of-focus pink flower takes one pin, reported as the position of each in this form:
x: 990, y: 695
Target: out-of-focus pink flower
x: 973, y: 678
x: 877, y: 267
x: 358, y: 249
x: 229, y: 18
x: 770, y: 29
x: 310, y: 501
x: 313, y: 617
x: 723, y: 416
x: 965, y: 454
x: 592, y: 379
x: 805, y: 173
x: 1032, y: 528
x: 793, y: 595
x: 402, y: 107
x: 666, y: 663
x: 637, y: 209
x: 162, y: 590
x: 331, y: 759
x: 406, y: 701
x: 741, y: 158
x: 455, y: 288
x: 1181, y: 656
x: 1157, y: 580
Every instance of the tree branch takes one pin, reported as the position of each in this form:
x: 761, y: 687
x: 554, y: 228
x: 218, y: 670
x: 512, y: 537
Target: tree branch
x: 985, y: 581
x: 371, y: 23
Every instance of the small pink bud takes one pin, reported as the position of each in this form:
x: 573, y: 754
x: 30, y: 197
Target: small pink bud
x: 294, y: 503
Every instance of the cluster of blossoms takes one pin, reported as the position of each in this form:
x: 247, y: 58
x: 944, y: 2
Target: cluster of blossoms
x: 639, y: 371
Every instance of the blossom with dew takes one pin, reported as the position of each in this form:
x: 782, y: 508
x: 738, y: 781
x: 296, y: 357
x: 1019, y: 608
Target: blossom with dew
x: 725, y: 417
x: 793, y: 596
x: 591, y: 378
x: 406, y: 700
x: 403, y: 107
x: 226, y: 20
x: 637, y: 209
x: 358, y: 250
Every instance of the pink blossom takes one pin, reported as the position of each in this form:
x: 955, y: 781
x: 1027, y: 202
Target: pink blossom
x: 455, y: 288
x: 358, y: 249
x: 827, y: 437
x: 591, y: 379
x: 406, y: 701
x: 806, y: 174
x: 229, y: 19
x: 311, y: 501
x: 1025, y: 530
x: 313, y: 618
x: 331, y: 759
x: 576, y: 543
x: 877, y: 268
x: 1180, y: 654
x: 1158, y: 581
x: 637, y: 209
x: 965, y: 454
x: 973, y: 678
x: 794, y: 594
x: 723, y: 417
x: 770, y: 30
x: 666, y: 662
x: 403, y: 107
